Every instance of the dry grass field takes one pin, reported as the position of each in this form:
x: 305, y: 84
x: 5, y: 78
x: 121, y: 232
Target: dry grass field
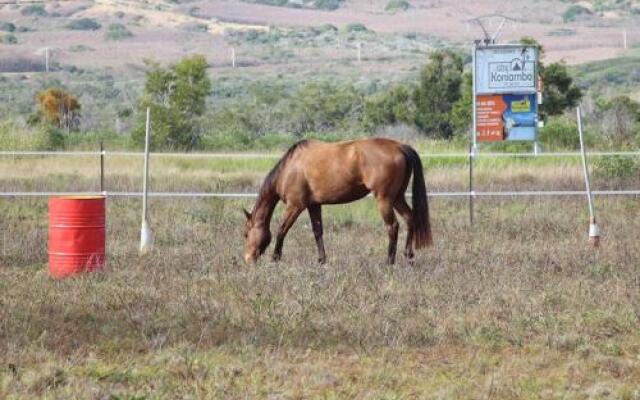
x: 517, y: 306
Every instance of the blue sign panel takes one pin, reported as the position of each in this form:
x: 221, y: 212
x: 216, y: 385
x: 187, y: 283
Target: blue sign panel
x: 521, y: 117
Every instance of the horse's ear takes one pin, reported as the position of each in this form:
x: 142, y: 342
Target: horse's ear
x: 247, y: 214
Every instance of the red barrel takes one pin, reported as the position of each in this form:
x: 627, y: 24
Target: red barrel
x: 76, y: 234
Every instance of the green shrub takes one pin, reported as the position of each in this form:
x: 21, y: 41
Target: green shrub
x: 559, y: 133
x: 7, y: 27
x: 575, y: 11
x: 80, y: 48
x: 118, y: 32
x: 615, y: 168
x: 356, y: 27
x: 328, y: 4
x: 177, y: 98
x: 397, y: 5
x: 34, y: 10
x: 84, y: 24
x: 9, y: 39
x: 327, y: 28
x: 50, y: 138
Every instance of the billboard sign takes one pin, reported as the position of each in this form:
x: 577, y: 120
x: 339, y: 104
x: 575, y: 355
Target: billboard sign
x: 506, y: 69
x: 505, y: 86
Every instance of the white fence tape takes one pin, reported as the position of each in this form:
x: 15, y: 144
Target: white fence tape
x: 277, y: 156
x: 253, y: 195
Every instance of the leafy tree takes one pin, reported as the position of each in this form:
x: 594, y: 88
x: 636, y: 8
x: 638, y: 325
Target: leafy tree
x: 573, y: 12
x: 560, y: 92
x: 462, y: 112
x: 177, y: 98
x: 321, y: 107
x: 438, y: 91
x: 59, y: 107
x: 620, y: 119
x: 389, y: 108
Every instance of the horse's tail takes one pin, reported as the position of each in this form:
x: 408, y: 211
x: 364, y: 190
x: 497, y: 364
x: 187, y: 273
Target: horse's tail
x: 420, y: 214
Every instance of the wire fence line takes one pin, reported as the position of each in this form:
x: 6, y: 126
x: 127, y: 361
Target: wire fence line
x: 238, y: 195
x: 277, y: 156
x: 524, y: 193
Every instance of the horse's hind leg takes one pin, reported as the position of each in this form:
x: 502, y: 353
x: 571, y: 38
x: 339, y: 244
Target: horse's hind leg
x: 290, y: 215
x: 385, y: 205
x: 315, y: 213
x: 405, y: 212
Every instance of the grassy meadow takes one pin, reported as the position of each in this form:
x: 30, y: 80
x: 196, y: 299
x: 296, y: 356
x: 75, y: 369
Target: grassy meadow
x: 516, y: 306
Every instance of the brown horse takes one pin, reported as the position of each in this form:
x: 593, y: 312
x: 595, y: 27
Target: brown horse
x: 312, y: 173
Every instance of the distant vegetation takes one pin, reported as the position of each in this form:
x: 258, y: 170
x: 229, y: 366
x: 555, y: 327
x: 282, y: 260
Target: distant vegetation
x: 118, y: 31
x: 356, y: 27
x: 318, y: 4
x: 84, y: 24
x: 575, y: 11
x: 7, y: 27
x: 397, y: 5
x: 8, y: 38
x: 35, y: 10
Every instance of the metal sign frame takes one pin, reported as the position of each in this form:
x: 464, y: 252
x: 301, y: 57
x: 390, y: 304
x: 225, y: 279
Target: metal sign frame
x: 530, y: 89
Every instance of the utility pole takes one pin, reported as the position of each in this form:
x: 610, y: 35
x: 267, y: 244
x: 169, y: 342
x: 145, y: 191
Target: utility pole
x: 624, y: 39
x: 46, y: 59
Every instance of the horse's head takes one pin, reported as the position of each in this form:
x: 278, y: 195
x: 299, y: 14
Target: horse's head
x: 256, y: 238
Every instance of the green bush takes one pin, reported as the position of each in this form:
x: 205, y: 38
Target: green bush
x: 84, y: 24
x: 559, y: 133
x: 356, y: 27
x: 9, y: 39
x: 615, y: 168
x: 574, y: 12
x: 34, y: 10
x: 397, y: 5
x: 328, y: 4
x: 7, y: 27
x: 177, y: 98
x: 392, y: 107
x: 50, y: 138
x: 117, y: 32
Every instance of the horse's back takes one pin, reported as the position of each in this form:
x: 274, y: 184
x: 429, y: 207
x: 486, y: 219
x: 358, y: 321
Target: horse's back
x: 346, y: 171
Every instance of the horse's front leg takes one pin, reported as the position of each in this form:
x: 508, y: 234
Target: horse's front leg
x: 290, y: 215
x: 315, y: 214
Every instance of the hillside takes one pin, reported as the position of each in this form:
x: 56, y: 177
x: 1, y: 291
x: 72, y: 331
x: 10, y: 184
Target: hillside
x: 168, y: 30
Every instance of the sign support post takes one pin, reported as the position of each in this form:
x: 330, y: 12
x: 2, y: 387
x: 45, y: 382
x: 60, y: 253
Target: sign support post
x: 474, y: 148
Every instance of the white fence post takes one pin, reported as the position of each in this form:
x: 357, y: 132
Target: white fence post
x: 594, y: 231
x: 146, y: 236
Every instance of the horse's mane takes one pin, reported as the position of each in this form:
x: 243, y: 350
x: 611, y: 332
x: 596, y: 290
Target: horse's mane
x: 271, y: 179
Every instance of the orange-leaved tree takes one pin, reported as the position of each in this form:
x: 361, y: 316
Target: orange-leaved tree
x: 59, y: 107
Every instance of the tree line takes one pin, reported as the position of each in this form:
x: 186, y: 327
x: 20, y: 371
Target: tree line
x: 437, y: 104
